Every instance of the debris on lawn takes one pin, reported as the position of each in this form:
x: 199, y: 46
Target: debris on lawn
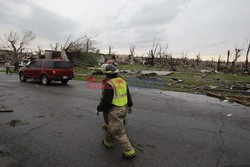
x: 215, y: 95
x: 155, y: 73
x: 97, y: 71
x: 212, y: 87
x: 241, y: 100
x: 126, y: 71
x: 206, y: 71
x: 238, y: 99
x: 14, y: 123
x: 177, y: 80
x: 82, y: 75
x: 91, y: 68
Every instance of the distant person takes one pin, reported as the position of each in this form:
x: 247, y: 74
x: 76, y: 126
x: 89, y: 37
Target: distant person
x: 16, y: 67
x: 7, y: 66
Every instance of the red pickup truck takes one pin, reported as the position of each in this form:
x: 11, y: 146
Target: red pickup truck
x: 47, y: 70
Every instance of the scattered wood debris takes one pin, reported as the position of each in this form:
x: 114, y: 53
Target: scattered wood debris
x: 238, y: 99
x: 217, y: 95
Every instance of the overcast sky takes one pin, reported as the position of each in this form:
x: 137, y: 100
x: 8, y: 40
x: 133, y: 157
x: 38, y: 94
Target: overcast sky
x: 190, y: 26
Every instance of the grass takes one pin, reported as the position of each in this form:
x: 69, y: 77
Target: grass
x: 81, y: 70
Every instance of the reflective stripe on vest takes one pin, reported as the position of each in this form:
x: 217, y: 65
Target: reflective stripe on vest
x: 120, y: 91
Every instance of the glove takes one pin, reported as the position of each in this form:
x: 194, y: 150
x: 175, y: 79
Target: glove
x: 129, y: 110
x: 98, y: 110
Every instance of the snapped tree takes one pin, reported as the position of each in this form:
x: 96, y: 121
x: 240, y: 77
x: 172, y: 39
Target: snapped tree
x: 236, y: 56
x: 17, y: 43
x: 246, y: 63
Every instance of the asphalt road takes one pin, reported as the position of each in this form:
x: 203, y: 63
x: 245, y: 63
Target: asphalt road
x: 59, y: 128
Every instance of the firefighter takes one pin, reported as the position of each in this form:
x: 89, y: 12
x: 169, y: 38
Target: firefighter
x: 117, y: 102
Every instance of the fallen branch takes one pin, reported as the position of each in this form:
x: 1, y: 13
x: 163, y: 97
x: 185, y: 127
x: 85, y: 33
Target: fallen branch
x: 214, y: 95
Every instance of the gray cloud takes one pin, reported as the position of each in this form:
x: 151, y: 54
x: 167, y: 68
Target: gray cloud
x: 142, y: 24
x: 186, y: 25
x: 45, y: 24
x: 156, y: 13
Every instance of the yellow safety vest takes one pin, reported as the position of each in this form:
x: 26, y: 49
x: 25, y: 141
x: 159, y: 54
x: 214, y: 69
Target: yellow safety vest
x: 120, y: 97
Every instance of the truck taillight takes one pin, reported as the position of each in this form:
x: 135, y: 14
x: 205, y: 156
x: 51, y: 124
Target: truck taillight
x: 54, y: 72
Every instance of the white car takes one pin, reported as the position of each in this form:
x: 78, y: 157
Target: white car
x: 24, y: 62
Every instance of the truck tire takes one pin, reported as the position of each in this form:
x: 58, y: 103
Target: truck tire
x: 22, y: 77
x: 45, y: 80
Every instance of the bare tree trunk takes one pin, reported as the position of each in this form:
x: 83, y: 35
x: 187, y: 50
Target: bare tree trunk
x: 218, y: 64
x: 198, y: 59
x: 237, y: 51
x: 246, y: 63
x: 110, y: 49
x: 228, y: 55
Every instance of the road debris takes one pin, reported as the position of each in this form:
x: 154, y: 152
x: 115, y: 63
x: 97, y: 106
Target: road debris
x: 6, y: 110
x: 40, y: 116
x: 5, y: 159
x: 14, y: 123
x: 58, y: 134
x: 225, y: 101
x: 229, y: 115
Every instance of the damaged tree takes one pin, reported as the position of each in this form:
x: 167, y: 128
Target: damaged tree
x: 198, y: 59
x: 111, y: 52
x: 152, y: 53
x: 80, y: 49
x: 219, y: 63
x: 228, y: 55
x: 88, y: 45
x: 237, y: 55
x: 131, y: 53
x: 74, y: 45
x: 162, y: 52
x: 39, y: 52
x: 184, y: 58
x: 56, y: 47
x: 246, y: 63
x: 17, y: 43
x: 171, y: 62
